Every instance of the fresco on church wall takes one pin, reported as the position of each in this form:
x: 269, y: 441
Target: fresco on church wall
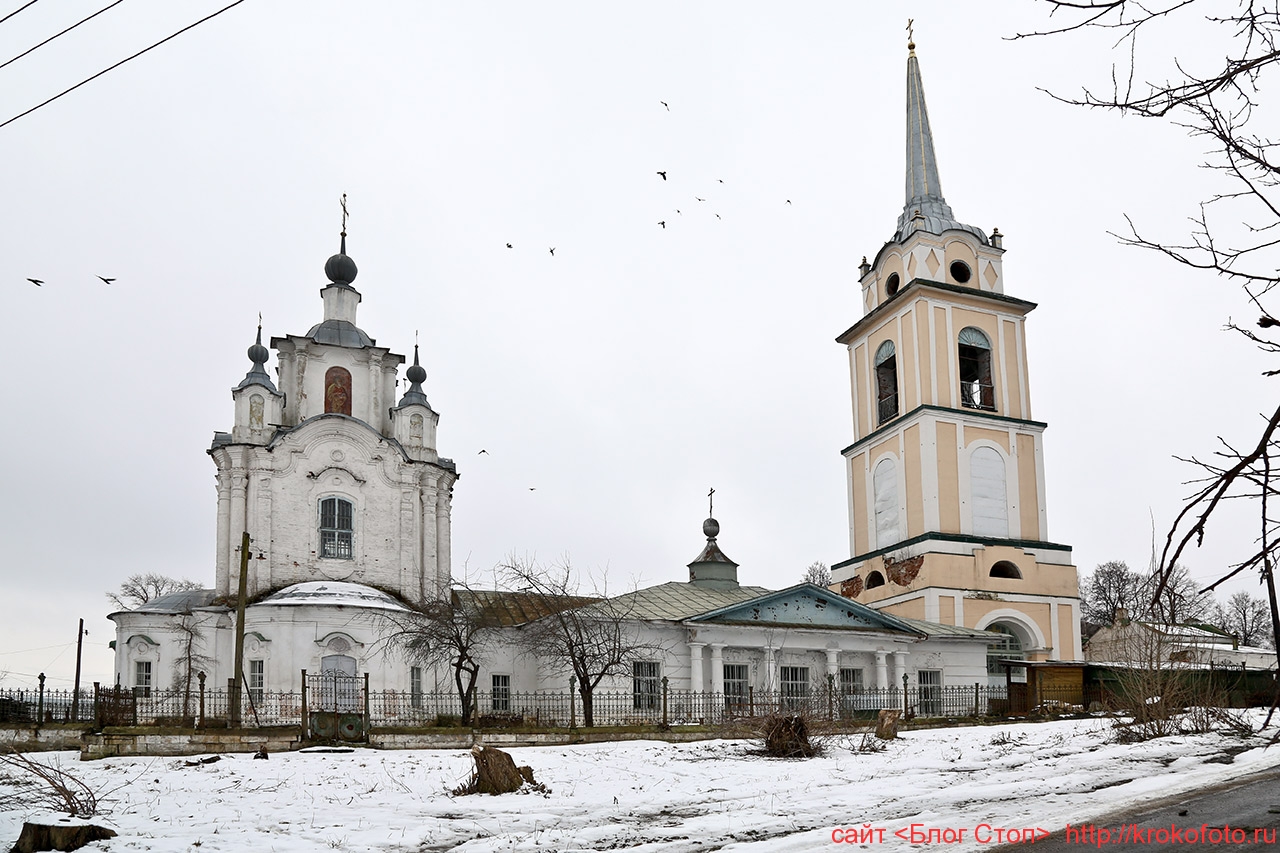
x: 337, y: 391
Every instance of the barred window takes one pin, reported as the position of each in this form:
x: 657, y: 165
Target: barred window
x: 795, y: 686
x: 850, y: 680
x: 736, y: 684
x: 501, y: 694
x: 336, y: 528
x: 930, y: 681
x: 645, y: 688
x: 142, y: 678
x: 257, y: 680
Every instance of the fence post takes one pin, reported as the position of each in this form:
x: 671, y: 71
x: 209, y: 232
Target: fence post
x: 305, y: 720
x: 664, y: 701
x: 40, y: 702
x: 97, y: 709
x: 977, y: 700
x: 573, y: 720
x: 905, y: 706
x: 751, y: 700
x: 233, y: 713
x: 831, y: 695
x: 200, y: 720
x: 368, y: 718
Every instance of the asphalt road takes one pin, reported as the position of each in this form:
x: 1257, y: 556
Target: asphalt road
x: 1248, y: 806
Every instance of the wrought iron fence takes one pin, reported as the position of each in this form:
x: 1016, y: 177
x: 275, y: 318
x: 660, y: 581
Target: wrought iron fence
x: 350, y: 706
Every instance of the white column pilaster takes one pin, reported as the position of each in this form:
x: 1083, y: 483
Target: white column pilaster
x: 695, y: 667
x: 717, y: 668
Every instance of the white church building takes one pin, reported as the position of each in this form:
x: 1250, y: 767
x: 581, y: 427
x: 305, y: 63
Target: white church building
x: 346, y: 502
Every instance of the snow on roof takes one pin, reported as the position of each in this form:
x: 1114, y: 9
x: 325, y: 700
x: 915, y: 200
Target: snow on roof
x: 332, y: 594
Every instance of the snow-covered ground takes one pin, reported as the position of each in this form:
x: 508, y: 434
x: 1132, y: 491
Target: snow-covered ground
x: 713, y: 795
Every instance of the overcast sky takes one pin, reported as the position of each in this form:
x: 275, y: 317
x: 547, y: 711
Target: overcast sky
x: 636, y: 368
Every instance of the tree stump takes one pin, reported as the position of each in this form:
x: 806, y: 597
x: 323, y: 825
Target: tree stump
x: 58, y: 836
x: 496, y: 773
x: 887, y: 724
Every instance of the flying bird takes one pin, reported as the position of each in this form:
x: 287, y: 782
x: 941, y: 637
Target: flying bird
x: 663, y: 223
x: 699, y: 199
x: 106, y: 280
x: 663, y: 174
x: 717, y: 216
x: 508, y: 245
x: 37, y: 282
x: 788, y: 201
x: 721, y: 180
x: 553, y: 251
x: 664, y: 103
x: 532, y: 489
x: 678, y: 211
x: 485, y: 452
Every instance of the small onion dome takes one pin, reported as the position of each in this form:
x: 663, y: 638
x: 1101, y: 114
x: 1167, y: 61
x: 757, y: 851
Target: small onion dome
x: 711, y: 528
x: 259, y: 354
x: 416, y: 374
x: 340, y: 268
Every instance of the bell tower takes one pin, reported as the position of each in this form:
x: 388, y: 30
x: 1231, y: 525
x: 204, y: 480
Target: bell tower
x: 947, y: 513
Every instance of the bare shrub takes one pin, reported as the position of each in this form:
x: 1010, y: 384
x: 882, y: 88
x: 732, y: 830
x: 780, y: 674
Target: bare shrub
x: 27, y: 784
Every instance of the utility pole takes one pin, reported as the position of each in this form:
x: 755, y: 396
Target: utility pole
x: 238, y: 681
x: 75, y: 694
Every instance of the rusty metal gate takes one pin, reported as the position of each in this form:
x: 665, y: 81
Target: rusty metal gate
x: 336, y: 701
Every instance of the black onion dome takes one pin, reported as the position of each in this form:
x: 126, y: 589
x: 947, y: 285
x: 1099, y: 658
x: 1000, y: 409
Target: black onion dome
x: 340, y: 268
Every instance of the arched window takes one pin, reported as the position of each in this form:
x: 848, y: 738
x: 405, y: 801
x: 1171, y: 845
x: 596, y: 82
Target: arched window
x: 987, y: 497
x: 337, y: 391
x: 1006, y: 569
x: 886, y: 364
x: 1009, y: 647
x: 336, y: 528
x: 885, y: 483
x: 874, y: 579
x: 977, y: 390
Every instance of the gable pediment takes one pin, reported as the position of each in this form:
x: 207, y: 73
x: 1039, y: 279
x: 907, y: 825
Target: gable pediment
x: 805, y: 606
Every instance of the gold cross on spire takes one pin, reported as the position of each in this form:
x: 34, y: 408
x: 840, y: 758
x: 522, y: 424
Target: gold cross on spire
x: 911, y: 39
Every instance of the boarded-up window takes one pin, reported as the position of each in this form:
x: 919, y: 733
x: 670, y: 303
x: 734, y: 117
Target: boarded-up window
x: 885, y: 483
x: 987, y: 493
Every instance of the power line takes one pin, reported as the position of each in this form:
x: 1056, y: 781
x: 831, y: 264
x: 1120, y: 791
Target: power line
x: 16, y: 11
x: 63, y: 33
x: 118, y: 64
x: 40, y: 649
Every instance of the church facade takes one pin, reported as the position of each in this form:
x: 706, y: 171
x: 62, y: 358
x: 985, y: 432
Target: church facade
x: 346, y: 503
x: 948, y: 519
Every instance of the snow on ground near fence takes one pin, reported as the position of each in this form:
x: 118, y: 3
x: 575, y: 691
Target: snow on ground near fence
x: 710, y: 795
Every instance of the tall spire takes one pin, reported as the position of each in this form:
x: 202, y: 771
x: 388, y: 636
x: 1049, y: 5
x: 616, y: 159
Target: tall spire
x: 925, y: 209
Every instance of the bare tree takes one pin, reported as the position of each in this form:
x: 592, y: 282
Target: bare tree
x: 191, y: 658
x: 1174, y: 598
x: 818, y: 573
x: 1248, y: 618
x: 1112, y: 586
x: 1235, y: 233
x: 140, y: 588
x: 593, y: 636
x: 453, y: 632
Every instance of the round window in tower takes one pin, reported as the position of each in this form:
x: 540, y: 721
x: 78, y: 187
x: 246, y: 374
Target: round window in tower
x: 960, y: 272
x: 891, y: 285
